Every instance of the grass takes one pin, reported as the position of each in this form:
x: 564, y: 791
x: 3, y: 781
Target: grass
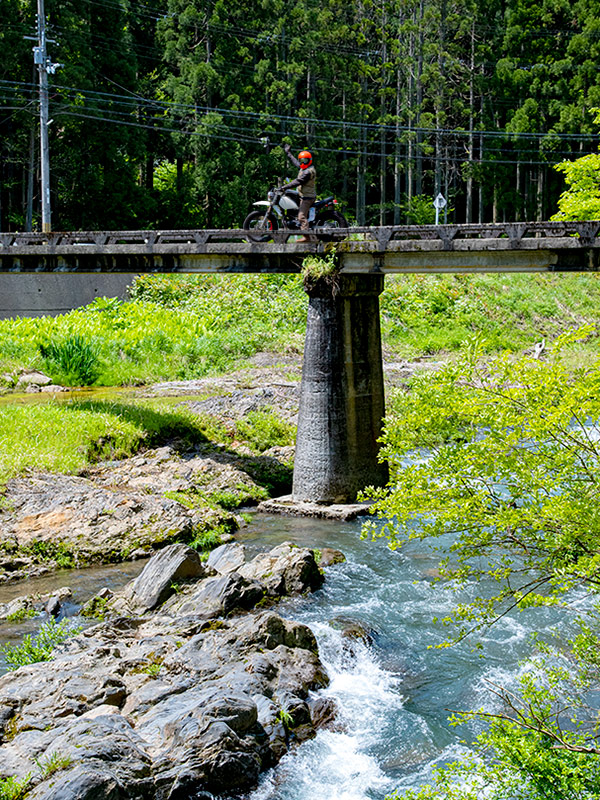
x: 52, y: 764
x: 68, y: 436
x: 189, y: 326
x: 182, y: 327
x: 171, y: 329
x: 428, y: 315
x: 265, y: 429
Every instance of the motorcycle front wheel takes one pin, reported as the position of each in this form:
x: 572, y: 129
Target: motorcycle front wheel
x: 258, y: 228
x: 333, y: 220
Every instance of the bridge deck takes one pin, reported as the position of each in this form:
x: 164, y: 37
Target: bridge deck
x: 512, y: 247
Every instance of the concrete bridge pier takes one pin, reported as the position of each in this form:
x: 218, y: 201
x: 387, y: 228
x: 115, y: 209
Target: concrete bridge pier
x: 342, y: 400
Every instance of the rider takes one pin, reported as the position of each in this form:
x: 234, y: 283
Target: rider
x: 306, y: 183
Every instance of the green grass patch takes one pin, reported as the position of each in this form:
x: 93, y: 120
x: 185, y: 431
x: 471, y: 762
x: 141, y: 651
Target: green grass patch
x: 174, y: 327
x: 69, y: 436
x: 429, y: 314
x: 265, y: 429
x: 207, y: 539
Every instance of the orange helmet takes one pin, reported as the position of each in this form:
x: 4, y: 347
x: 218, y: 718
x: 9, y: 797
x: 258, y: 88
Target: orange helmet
x: 305, y: 159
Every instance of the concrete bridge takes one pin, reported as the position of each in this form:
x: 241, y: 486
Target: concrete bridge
x: 342, y: 397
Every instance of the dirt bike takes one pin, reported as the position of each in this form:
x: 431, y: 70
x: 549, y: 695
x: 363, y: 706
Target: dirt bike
x: 280, y: 212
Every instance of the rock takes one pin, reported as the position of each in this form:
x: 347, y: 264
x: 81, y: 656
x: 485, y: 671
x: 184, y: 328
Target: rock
x: 82, y: 783
x: 287, y: 569
x: 323, y: 712
x: 329, y: 557
x: 32, y: 379
x: 53, y: 607
x: 287, y: 505
x: 227, y: 558
x: 155, y: 583
x: 219, y: 596
x: 30, y: 604
x: 191, y: 699
x: 207, y: 719
x: 54, y: 388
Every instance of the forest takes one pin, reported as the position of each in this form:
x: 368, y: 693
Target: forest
x: 172, y: 113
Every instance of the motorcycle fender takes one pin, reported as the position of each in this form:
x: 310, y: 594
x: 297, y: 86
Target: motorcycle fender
x: 266, y: 203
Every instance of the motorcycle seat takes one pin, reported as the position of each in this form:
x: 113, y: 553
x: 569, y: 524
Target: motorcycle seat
x: 324, y: 201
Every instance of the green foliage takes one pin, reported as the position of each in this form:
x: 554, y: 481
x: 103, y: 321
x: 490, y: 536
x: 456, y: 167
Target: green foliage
x: 265, y: 429
x: 152, y: 670
x: 581, y: 200
x: 96, y: 608
x: 286, y: 718
x: 55, y: 762
x: 58, y: 552
x: 12, y: 788
x: 38, y: 647
x: 73, y: 361
x: 495, y: 463
x: 419, y: 210
x: 499, y: 462
x: 207, y: 539
x: 316, y: 268
x: 21, y: 614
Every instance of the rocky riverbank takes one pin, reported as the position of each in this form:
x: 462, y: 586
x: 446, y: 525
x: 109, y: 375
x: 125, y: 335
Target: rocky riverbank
x: 121, y: 510
x: 191, y: 686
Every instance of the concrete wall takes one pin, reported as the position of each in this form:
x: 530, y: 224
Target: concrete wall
x: 33, y: 295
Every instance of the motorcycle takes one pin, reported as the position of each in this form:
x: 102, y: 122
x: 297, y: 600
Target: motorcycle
x: 280, y: 212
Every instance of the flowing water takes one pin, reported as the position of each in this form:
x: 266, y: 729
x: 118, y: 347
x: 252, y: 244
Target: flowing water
x: 395, y: 690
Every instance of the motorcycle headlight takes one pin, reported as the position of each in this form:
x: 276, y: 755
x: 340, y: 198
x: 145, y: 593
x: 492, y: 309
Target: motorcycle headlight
x: 270, y: 195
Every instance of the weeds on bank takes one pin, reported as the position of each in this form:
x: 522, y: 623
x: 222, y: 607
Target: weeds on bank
x: 72, y: 360
x: 14, y: 789
x: 40, y: 646
x: 170, y: 330
x: 265, y: 429
x: 53, y: 763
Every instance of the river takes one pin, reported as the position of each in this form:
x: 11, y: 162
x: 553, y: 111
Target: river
x: 394, y: 695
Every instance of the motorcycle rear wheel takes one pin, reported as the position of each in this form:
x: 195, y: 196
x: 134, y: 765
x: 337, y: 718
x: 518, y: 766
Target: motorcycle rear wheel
x: 257, y: 230
x: 334, y: 220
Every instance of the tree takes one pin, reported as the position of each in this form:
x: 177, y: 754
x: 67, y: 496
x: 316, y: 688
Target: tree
x: 581, y: 199
x: 498, y: 464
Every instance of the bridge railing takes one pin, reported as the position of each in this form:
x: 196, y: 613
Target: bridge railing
x: 587, y: 234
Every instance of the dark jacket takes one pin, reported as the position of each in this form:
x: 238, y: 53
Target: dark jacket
x: 306, y: 180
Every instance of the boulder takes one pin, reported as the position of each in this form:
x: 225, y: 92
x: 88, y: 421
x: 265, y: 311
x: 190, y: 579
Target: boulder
x: 329, y: 557
x: 227, y: 558
x: 287, y: 569
x: 220, y: 596
x: 32, y: 379
x: 155, y: 584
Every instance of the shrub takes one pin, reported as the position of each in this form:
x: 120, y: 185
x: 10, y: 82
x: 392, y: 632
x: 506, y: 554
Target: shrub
x: 38, y: 647
x: 13, y: 789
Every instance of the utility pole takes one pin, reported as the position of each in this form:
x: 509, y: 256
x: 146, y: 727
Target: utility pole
x: 45, y: 66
